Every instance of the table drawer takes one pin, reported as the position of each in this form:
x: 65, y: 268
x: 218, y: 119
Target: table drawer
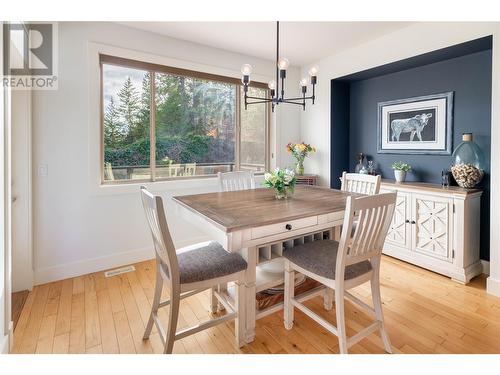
x: 280, y: 228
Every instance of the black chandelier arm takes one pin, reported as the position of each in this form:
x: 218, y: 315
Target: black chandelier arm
x: 259, y: 101
x: 301, y: 98
x: 288, y: 102
x: 256, y: 97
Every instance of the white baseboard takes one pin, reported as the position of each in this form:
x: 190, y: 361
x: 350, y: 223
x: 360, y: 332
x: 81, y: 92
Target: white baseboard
x: 83, y: 267
x: 486, y: 266
x: 493, y: 286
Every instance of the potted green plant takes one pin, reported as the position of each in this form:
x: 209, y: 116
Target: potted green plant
x: 282, y: 181
x: 400, y: 170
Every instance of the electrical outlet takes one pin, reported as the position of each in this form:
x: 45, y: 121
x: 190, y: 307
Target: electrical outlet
x: 43, y: 170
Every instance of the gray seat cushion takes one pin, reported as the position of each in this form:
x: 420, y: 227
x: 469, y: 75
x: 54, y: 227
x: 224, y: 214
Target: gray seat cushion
x: 320, y: 258
x: 207, y: 261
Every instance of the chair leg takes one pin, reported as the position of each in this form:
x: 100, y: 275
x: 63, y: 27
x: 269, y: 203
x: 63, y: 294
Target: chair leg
x: 213, y: 300
x: 339, y: 309
x: 377, y: 304
x: 222, y: 289
x: 239, y: 323
x: 328, y: 299
x: 156, y: 303
x: 175, y: 299
x: 289, y: 294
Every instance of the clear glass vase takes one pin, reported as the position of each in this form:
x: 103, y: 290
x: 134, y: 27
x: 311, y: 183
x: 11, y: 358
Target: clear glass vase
x: 299, y: 167
x: 468, y: 163
x: 283, y: 193
x: 360, y: 166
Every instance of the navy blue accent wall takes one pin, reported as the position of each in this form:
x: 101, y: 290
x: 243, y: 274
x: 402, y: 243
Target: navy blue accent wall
x: 339, y: 154
x: 469, y: 77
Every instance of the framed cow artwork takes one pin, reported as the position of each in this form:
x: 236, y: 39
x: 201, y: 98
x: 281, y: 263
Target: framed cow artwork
x: 420, y: 125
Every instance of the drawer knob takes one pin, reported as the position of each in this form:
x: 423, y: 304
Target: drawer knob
x: 288, y: 227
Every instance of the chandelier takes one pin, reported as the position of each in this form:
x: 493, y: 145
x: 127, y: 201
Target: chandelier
x: 277, y: 87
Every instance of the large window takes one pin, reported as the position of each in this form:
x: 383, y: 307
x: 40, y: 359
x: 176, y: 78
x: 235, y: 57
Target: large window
x: 161, y: 123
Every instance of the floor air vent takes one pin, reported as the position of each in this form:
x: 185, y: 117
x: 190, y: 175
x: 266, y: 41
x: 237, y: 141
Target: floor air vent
x: 119, y: 271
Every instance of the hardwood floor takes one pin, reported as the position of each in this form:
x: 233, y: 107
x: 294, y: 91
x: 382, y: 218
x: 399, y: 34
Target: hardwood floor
x: 424, y: 312
x: 18, y: 300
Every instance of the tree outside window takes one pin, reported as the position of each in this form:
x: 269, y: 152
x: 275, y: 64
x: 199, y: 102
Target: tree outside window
x: 195, y: 126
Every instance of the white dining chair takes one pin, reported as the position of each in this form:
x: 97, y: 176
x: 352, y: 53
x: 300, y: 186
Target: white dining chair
x: 360, y: 183
x: 189, y: 271
x: 343, y: 265
x: 232, y: 181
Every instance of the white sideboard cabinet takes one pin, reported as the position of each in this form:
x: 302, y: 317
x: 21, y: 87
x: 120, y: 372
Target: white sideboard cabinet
x: 436, y: 228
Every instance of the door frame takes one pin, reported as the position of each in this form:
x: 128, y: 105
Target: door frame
x: 24, y: 108
x: 6, y: 329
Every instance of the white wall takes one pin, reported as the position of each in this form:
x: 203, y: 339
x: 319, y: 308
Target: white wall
x: 410, y: 41
x: 80, y: 227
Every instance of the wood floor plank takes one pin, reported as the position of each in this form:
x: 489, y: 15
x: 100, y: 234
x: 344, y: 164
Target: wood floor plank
x: 46, y: 336
x: 106, y: 323
x: 53, y: 298
x: 134, y: 317
x: 63, y: 323
x: 23, y: 319
x: 30, y: 336
x: 17, y: 301
x: 92, y: 324
x: 77, y: 328
x: 123, y: 334
x: 61, y: 344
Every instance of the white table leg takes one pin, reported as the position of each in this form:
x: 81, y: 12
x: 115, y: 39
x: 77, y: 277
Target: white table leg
x: 250, y: 255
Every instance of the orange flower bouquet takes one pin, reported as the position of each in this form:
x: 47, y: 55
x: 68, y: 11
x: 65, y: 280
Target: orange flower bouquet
x: 300, y: 151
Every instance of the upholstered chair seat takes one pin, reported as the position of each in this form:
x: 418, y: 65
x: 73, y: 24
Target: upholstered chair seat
x: 320, y: 257
x: 207, y: 260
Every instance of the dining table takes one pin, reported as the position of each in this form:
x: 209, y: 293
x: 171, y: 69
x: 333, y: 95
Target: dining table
x: 260, y: 227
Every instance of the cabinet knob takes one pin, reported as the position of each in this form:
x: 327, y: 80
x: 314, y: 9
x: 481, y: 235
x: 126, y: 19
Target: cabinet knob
x: 288, y: 226
x: 413, y: 222
x: 407, y: 221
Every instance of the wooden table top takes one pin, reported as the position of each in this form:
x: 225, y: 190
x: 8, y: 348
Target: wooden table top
x: 244, y: 209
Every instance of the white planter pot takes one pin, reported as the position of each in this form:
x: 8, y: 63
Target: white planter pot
x: 400, y: 175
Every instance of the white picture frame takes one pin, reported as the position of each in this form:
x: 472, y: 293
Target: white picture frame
x: 419, y: 125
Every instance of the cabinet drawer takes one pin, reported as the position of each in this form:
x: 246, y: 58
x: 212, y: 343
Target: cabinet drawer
x: 280, y: 228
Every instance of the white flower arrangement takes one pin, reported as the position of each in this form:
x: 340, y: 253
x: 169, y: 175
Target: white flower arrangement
x: 282, y: 181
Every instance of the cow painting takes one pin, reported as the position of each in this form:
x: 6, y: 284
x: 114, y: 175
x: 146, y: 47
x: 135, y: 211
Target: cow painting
x: 413, y: 125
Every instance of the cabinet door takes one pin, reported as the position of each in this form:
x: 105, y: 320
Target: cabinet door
x: 399, y: 231
x: 432, y: 226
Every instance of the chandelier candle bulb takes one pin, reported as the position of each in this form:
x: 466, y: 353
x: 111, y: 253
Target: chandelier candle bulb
x: 283, y: 63
x: 313, y: 72
x: 246, y: 69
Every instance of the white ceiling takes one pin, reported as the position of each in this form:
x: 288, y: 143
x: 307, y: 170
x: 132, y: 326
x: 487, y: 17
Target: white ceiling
x: 301, y: 42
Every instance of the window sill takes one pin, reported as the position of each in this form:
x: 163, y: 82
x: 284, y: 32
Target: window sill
x: 178, y: 186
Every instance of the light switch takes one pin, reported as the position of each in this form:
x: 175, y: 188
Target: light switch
x: 43, y: 170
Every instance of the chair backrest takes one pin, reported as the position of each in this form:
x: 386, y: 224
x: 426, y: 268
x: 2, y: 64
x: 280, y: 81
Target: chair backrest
x: 360, y: 183
x: 174, y: 170
x: 164, y: 247
x: 108, y: 172
x: 373, y: 215
x: 190, y: 169
x: 232, y: 181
